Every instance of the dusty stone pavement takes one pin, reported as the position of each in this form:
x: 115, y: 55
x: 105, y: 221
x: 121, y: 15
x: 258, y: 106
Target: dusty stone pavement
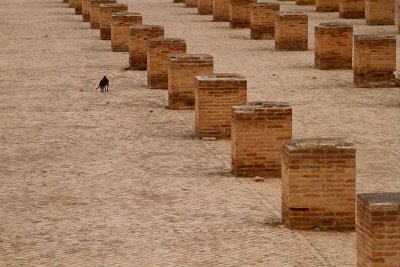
x: 90, y: 179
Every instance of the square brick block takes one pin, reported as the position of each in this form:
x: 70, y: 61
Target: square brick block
x: 327, y: 5
x: 158, y: 51
x: 374, y: 61
x: 221, y: 10
x: 95, y: 12
x: 106, y: 11
x: 182, y: 72
x: 258, y: 130
x: 120, y: 24
x: 86, y: 10
x: 318, y: 184
x: 138, y: 39
x: 191, y: 3
x: 380, y: 12
x: 305, y: 2
x: 291, y: 31
x: 333, y: 46
x: 239, y: 13
x: 78, y: 7
x: 214, y: 96
x: 205, y: 7
x: 262, y: 20
x: 378, y: 229
x: 352, y: 9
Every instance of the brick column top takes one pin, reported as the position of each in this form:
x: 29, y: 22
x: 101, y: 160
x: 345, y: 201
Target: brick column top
x: 189, y: 57
x: 160, y: 40
x: 113, y: 4
x: 121, y: 15
x: 144, y: 27
x: 222, y: 77
x: 381, y: 201
x: 334, y: 25
x: 373, y: 37
x: 103, y: 1
x: 299, y: 145
x: 273, y: 5
x: 252, y: 108
x: 292, y: 15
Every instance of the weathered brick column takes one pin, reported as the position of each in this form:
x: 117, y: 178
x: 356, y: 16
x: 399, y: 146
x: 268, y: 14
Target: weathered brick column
x: 318, y: 184
x: 120, y: 24
x: 352, y: 9
x: 239, y: 12
x: 205, y: 7
x: 333, y: 46
x: 95, y: 12
x: 78, y: 7
x: 374, y: 61
x: 138, y: 39
x: 291, y: 31
x: 305, y: 2
x: 327, y: 5
x: 258, y: 131
x: 378, y: 229
x: 191, y: 3
x: 380, y: 12
x: 158, y: 53
x: 86, y: 10
x: 262, y: 20
x: 221, y: 10
x: 106, y: 11
x: 182, y: 72
x: 214, y: 97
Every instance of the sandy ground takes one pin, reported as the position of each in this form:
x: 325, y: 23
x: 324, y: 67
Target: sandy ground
x: 91, y: 179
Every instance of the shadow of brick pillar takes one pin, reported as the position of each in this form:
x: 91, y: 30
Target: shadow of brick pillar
x: 374, y: 61
x: 262, y: 20
x: 95, y: 12
x: 305, y: 2
x: 378, y: 229
x: 351, y: 9
x: 106, y: 11
x: 86, y: 10
x: 191, y: 3
x: 258, y: 130
x: 214, y: 96
x: 138, y: 39
x: 221, y: 10
x: 291, y: 31
x: 182, y: 72
x: 318, y: 184
x: 327, y: 5
x: 333, y: 46
x: 78, y: 7
x: 120, y: 24
x: 239, y: 13
x: 205, y: 7
x: 380, y: 12
x: 158, y: 53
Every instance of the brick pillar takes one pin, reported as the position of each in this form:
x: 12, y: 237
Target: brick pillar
x: 95, y: 12
x: 78, y: 7
x: 262, y: 20
x: 120, y: 24
x: 305, y: 2
x: 291, y: 31
x: 258, y: 130
x: 378, y: 229
x: 318, y: 184
x: 205, y: 7
x: 106, y: 11
x: 239, y: 13
x: 374, y: 61
x: 182, y: 72
x: 327, y: 5
x: 214, y: 96
x: 191, y: 3
x: 380, y: 12
x: 333, y: 46
x: 158, y: 52
x: 351, y: 9
x: 221, y: 10
x: 86, y: 10
x: 138, y: 38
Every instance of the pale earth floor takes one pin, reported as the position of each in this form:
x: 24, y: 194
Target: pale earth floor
x: 91, y: 179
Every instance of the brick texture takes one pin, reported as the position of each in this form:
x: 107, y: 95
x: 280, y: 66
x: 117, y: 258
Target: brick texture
x: 378, y: 229
x: 86, y: 10
x: 318, y: 184
x: 191, y: 3
x: 305, y: 2
x: 352, y: 9
x: 327, y: 5
x: 182, y: 72
x: 158, y: 53
x: 374, y: 61
x: 72, y: 3
x: 380, y: 12
x: 221, y: 10
x: 239, y: 13
x: 106, y: 11
x: 262, y: 20
x: 258, y: 130
x: 333, y: 46
x: 65, y: 1
x: 205, y: 7
x: 214, y: 96
x: 179, y: 1
x: 291, y: 31
x: 120, y: 24
x: 78, y: 7
x: 138, y: 39
x: 95, y: 12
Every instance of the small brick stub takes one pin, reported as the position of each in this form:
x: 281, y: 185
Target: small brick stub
x: 78, y: 7
x: 138, y: 39
x: 262, y: 20
x: 378, y: 229
x: 291, y: 31
x: 158, y: 53
x: 214, y: 97
x: 182, y: 72
x: 106, y: 11
x: 305, y: 2
x: 95, y: 12
x: 352, y: 9
x: 221, y: 10
x: 380, y: 12
x: 333, y: 46
x: 120, y: 24
x: 191, y: 3
x: 86, y: 10
x: 318, y: 184
x: 374, y: 61
x: 239, y: 13
x: 327, y: 5
x: 205, y: 7
x: 258, y: 130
